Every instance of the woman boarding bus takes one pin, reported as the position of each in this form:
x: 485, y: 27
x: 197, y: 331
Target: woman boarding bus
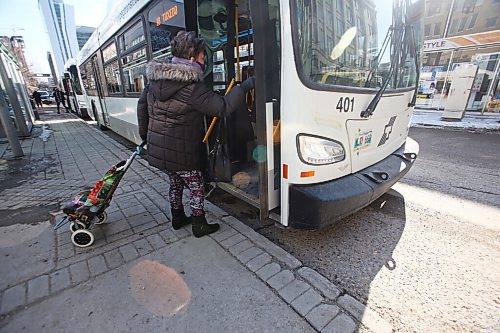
x: 309, y: 150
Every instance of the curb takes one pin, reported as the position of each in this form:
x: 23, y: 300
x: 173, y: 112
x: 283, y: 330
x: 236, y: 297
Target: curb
x: 309, y: 293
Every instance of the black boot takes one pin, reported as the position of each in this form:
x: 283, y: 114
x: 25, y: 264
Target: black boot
x: 201, y: 226
x: 179, y: 219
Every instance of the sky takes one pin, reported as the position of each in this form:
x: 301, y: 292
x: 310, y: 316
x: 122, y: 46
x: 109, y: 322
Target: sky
x: 22, y: 18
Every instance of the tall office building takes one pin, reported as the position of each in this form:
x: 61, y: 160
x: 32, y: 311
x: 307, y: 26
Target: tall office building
x: 83, y: 34
x: 60, y: 22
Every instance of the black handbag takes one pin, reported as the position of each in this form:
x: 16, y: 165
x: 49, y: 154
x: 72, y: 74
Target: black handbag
x: 219, y: 159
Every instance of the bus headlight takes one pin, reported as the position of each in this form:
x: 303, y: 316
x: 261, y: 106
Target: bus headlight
x: 318, y: 150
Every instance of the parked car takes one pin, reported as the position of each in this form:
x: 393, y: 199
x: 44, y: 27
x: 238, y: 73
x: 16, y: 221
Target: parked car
x: 46, y: 98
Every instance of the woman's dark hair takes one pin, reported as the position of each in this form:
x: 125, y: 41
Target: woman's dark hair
x: 186, y: 45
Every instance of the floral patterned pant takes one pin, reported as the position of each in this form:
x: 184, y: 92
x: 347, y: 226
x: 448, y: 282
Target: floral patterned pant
x: 193, y: 180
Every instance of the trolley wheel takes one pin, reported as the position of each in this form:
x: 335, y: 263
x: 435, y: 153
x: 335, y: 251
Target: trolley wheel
x: 78, y: 226
x: 102, y: 218
x: 82, y: 238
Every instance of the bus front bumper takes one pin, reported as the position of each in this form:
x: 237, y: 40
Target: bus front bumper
x: 318, y: 205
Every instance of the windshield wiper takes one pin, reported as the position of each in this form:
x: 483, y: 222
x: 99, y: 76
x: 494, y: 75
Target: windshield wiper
x: 376, y: 99
x: 417, y: 68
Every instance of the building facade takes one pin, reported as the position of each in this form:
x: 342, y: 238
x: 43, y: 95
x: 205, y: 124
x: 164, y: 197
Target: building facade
x: 60, y: 23
x: 83, y: 34
x: 461, y: 32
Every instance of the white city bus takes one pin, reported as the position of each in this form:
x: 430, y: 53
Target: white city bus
x: 73, y: 86
x: 326, y: 131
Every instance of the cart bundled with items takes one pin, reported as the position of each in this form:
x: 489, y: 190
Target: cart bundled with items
x: 89, y: 207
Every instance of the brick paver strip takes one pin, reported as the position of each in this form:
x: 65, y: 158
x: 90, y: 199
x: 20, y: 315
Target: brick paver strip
x: 249, y: 254
x: 156, y: 241
x: 113, y: 258
x: 79, y: 272
x: 293, y: 290
x: 328, y: 289
x: 264, y: 243
x: 321, y: 315
x: 168, y: 236
x: 240, y: 247
x: 341, y: 324
x: 97, y: 265
x: 38, y: 288
x: 13, y: 297
x: 233, y: 240
x: 368, y: 317
x: 258, y: 262
x: 60, y: 280
x: 281, y: 279
x: 224, y: 234
x: 304, y: 303
x: 268, y: 271
x: 143, y: 246
x: 182, y: 233
x: 129, y: 252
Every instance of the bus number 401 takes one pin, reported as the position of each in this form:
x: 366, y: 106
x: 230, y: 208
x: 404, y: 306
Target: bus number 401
x: 345, y: 104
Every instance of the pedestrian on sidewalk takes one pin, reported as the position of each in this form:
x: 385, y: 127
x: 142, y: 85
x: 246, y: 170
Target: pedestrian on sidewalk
x: 170, y: 116
x: 38, y: 98
x: 58, y: 96
x: 63, y: 101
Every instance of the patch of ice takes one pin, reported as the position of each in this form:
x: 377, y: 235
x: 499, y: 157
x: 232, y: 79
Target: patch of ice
x: 46, y: 132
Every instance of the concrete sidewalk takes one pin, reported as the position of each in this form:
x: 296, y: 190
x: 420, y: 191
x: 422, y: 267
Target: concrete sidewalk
x: 141, y: 275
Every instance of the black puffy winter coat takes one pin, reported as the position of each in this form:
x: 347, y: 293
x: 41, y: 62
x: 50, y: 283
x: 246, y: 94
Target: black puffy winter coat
x: 170, y: 115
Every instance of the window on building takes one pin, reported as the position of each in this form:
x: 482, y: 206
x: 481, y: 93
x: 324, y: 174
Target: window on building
x: 472, y: 21
x: 165, y: 20
x: 491, y: 22
x: 461, y: 26
x: 437, y: 28
x: 427, y: 30
x: 434, y: 8
x: 469, y: 6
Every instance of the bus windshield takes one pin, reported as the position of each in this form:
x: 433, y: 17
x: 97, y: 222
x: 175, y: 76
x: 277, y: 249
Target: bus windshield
x: 340, y: 42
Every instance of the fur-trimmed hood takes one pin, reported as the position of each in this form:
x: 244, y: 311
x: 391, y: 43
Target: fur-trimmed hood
x: 156, y: 71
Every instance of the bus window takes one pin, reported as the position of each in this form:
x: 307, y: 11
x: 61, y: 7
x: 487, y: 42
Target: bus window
x: 88, y: 79
x: 109, y: 52
x: 134, y: 71
x: 133, y: 58
x: 73, y: 72
x: 351, y: 44
x: 165, y: 20
x: 132, y: 37
x: 113, y: 80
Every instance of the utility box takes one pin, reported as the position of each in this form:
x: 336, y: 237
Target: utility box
x: 461, y: 85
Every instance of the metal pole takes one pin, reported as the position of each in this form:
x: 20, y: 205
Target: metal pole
x: 9, y: 129
x: 445, y: 79
x: 14, y: 101
x: 447, y: 26
x: 27, y: 105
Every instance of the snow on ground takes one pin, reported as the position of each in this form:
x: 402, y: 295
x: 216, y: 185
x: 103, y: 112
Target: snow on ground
x: 45, y: 133
x: 471, y: 120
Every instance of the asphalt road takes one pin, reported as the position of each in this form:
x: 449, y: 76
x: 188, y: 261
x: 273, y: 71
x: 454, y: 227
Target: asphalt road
x: 424, y: 256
